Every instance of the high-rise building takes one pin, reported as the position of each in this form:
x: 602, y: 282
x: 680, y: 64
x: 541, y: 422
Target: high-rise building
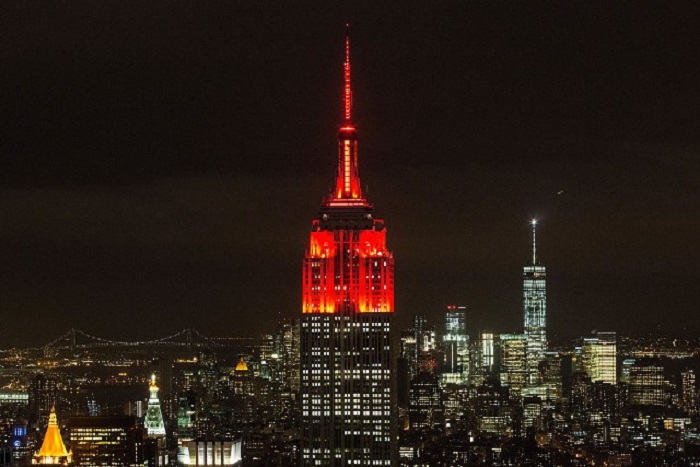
x: 689, y: 393
x: 486, y: 351
x: 513, y: 363
x: 599, y: 357
x: 647, y: 383
x: 289, y: 353
x: 455, y: 344
x: 243, y: 393
x: 549, y: 377
x: 418, y: 345
x: 153, y: 422
x: 535, y: 310
x: 605, y: 401
x: 43, y: 391
x: 483, y: 358
x: 347, y: 365
x: 580, y: 398
x: 98, y: 441
x: 425, y: 410
x: 155, y: 449
x: 53, y: 451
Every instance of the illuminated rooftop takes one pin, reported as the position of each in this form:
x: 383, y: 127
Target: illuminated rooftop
x: 53, y: 451
x: 241, y: 366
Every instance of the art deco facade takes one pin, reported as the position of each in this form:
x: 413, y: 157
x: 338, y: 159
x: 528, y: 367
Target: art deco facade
x: 348, y: 301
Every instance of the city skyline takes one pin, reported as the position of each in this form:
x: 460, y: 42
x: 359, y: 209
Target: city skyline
x: 166, y: 171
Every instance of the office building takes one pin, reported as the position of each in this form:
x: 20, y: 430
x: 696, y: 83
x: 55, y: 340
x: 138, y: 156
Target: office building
x: 647, y: 383
x: 599, y: 357
x: 455, y: 344
x: 689, y: 392
x: 535, y: 310
x: 42, y: 397
x: 487, y: 351
x: 98, y: 441
x: 425, y: 410
x: 513, y: 363
x: 347, y: 365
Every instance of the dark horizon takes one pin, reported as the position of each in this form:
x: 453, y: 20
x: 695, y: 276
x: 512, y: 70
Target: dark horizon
x: 162, y: 161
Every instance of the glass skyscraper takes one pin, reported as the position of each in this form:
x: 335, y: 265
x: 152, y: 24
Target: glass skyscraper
x: 535, y: 311
x: 599, y: 356
x: 455, y: 342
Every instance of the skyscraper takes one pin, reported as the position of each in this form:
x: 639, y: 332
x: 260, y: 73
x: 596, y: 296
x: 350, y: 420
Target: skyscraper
x: 426, y: 411
x: 513, y: 363
x: 52, y: 451
x: 600, y: 357
x: 155, y: 428
x: 347, y: 305
x: 486, y: 351
x: 688, y: 392
x: 455, y: 342
x: 647, y: 385
x: 155, y: 448
x: 535, y: 311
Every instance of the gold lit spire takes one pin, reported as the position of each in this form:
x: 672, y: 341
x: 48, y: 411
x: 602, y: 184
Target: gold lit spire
x: 52, y: 451
x: 241, y: 366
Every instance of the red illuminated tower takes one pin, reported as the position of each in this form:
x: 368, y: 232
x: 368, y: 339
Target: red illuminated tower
x: 347, y: 371
x: 348, y: 268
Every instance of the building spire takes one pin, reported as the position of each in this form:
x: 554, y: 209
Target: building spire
x: 153, y: 422
x: 347, y: 186
x: 533, y: 222
x: 347, y: 94
x: 52, y: 450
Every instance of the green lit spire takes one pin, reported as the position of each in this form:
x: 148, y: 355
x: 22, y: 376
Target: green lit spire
x: 154, y: 417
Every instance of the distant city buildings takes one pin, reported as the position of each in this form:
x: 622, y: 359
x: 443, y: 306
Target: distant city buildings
x: 340, y: 386
x: 236, y: 409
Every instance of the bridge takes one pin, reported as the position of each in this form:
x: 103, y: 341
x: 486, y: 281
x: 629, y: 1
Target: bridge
x: 187, y: 339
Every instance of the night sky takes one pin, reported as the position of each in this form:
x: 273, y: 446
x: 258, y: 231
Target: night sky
x: 161, y: 161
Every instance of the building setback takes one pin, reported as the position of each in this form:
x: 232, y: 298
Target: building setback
x: 347, y: 374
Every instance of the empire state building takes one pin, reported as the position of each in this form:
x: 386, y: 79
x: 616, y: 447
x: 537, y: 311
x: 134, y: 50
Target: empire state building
x: 347, y: 374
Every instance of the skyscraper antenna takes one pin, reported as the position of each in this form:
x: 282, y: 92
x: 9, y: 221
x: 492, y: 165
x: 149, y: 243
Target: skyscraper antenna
x: 347, y: 95
x: 534, y: 240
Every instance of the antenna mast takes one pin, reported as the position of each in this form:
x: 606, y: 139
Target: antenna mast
x: 347, y: 95
x: 534, y: 241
